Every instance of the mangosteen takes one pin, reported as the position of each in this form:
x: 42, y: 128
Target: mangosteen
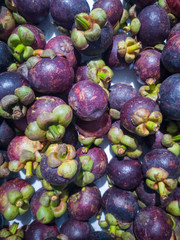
x: 125, y: 174
x: 24, y: 153
x: 141, y: 3
x: 122, y: 52
x: 70, y: 136
x: 14, y: 198
x: 124, y: 143
x: 92, y: 33
x: 6, y: 57
x: 12, y: 232
x: 47, y: 118
x: 15, y: 95
x: 141, y: 115
x: 113, y: 9
x: 93, y: 165
x: 155, y: 25
x: 59, y: 165
x: 48, y: 205
x: 174, y: 31
x: 85, y: 203
x: 64, y: 12
x: 88, y: 100
x: 120, y: 93
x: 152, y: 223
x: 95, y: 71
x: 174, y: 6
x: 169, y: 97
x: 24, y: 40
x: 171, y: 55
x: 21, y: 124
x: 75, y: 230
x: 7, y: 23
x: 62, y: 45
x: 99, y: 235
x: 6, y: 134
x: 37, y: 230
x: 161, y: 168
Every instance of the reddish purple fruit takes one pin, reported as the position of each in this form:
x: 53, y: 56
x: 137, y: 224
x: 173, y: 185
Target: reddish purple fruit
x: 88, y: 100
x: 174, y: 31
x: 85, y: 203
x: 174, y: 6
x: 152, y: 223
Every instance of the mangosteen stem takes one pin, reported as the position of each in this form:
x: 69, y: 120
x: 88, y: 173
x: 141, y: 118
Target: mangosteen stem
x: 151, y: 126
x: 19, y: 49
x: 176, y: 138
x: 19, y: 203
x: 29, y: 167
x: 112, y: 229
x: 54, y: 201
x: 162, y: 190
x: 104, y: 76
x: 134, y: 47
x: 83, y: 23
x: 13, y: 228
x: 54, y: 131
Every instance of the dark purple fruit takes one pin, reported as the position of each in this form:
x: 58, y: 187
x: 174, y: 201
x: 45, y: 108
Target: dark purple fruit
x: 6, y: 57
x: 125, y: 174
x: 171, y: 55
x: 75, y: 230
x: 174, y: 6
x: 6, y: 134
x: 7, y: 23
x: 99, y: 235
x: 152, y: 223
x: 141, y: 3
x: 169, y: 97
x: 4, y: 170
x: 88, y: 100
x: 37, y: 230
x: 174, y: 31
x: 85, y: 203
x: 155, y: 25
x: 70, y: 136
x: 64, y: 12
x: 141, y: 115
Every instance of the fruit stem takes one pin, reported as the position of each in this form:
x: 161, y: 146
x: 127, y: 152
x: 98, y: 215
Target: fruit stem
x: 54, y: 131
x: 13, y: 228
x: 151, y: 126
x: 162, y: 190
x: 83, y: 23
x: 176, y: 138
x: 29, y: 167
x: 19, y: 203
x: 134, y: 47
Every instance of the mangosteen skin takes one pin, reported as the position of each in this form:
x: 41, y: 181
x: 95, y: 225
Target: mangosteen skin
x: 154, y: 141
x: 35, y: 201
x: 33, y: 11
x: 162, y: 158
x: 120, y: 93
x: 111, y: 56
x: 9, y: 81
x: 62, y: 45
x: 120, y: 203
x: 174, y: 31
x: 174, y: 6
x: 99, y: 158
x: 88, y: 100
x: 152, y: 223
x: 148, y: 65
x: 142, y: 3
x: 125, y: 174
x: 64, y: 12
x: 169, y: 96
x: 171, y: 54
x: 6, y: 57
x: 113, y: 9
x: 37, y: 230
x: 6, y: 134
x: 85, y: 203
x: 70, y: 136
x: 155, y: 25
x: 99, y: 235
x: 96, y: 128
x: 76, y: 230
x: 51, y: 75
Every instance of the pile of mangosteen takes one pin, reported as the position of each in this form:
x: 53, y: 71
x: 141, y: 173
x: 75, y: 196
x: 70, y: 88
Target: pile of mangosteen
x: 84, y: 155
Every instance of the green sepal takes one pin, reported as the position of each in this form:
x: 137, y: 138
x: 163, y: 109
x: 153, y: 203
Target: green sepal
x: 87, y: 163
x: 45, y: 215
x: 14, y: 196
x: 11, y: 212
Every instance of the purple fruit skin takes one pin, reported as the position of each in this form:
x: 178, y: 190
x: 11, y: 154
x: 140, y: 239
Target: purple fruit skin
x: 84, y: 204
x: 155, y: 25
x: 171, y: 55
x: 42, y: 104
x: 96, y: 128
x: 131, y: 106
x: 81, y: 73
x: 99, y: 158
x: 64, y: 12
x: 99, y: 235
x: 122, y: 204
x: 76, y: 230
x: 51, y: 175
x: 162, y: 158
x: 63, y: 45
x: 119, y: 94
x: 174, y: 31
x: 70, y: 136
x: 37, y: 230
x: 9, y: 81
x: 113, y: 9
x: 21, y: 124
x: 51, y: 75
x: 6, y: 57
x: 142, y: 3
x: 88, y: 100
x: 154, y: 141
x: 39, y: 42
x: 33, y: 11
x: 6, y: 134
x: 148, y: 65
x: 125, y: 174
x: 152, y: 223
x: 169, y: 96
x: 111, y: 56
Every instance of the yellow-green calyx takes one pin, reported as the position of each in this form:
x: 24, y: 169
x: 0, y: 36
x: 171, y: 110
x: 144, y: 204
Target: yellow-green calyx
x: 12, y: 233
x: 88, y: 28
x: 151, y: 91
x: 88, y: 141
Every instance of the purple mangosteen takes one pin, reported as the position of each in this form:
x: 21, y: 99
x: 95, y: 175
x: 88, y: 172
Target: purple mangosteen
x: 99, y: 235
x: 92, y: 33
x: 7, y: 133
x: 141, y: 3
x: 88, y: 100
x: 174, y: 31
x: 141, y: 116
x: 155, y: 25
x: 85, y: 203
x: 6, y: 57
x: 4, y: 164
x: 70, y: 136
x: 174, y: 6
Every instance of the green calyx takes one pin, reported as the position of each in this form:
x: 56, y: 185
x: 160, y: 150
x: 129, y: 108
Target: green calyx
x: 18, y: 18
x: 68, y: 169
x: 34, y: 133
x: 20, y: 44
x: 150, y: 91
x: 86, y: 163
x: 174, y: 208
x: 12, y: 233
